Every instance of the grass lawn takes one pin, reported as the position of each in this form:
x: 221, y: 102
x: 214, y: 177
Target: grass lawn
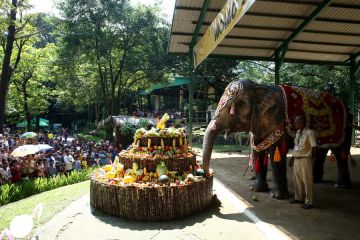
x: 224, y: 148
x: 54, y: 201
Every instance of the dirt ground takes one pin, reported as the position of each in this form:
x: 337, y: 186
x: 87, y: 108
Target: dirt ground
x: 337, y: 212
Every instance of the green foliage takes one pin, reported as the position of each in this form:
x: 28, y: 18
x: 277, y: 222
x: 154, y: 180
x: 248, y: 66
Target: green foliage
x: 36, y: 69
x: 127, y: 129
x: 217, y: 73
x: 14, y: 192
x: 334, y: 79
x: 109, y: 50
x: 143, y: 123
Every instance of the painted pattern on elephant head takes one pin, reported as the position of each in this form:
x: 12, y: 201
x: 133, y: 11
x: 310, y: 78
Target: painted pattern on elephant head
x: 234, y: 110
x: 230, y: 93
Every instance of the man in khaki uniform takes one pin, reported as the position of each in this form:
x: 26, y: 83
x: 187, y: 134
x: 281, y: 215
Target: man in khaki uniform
x: 302, y: 162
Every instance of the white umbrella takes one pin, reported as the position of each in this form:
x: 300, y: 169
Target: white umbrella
x: 24, y: 150
x: 43, y: 147
x: 28, y: 149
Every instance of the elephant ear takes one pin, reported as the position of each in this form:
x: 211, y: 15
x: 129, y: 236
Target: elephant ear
x: 247, y: 93
x: 266, y: 100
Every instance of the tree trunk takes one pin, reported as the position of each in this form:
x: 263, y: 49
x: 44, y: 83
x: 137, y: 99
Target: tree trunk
x: 37, y: 125
x: 26, y: 111
x: 6, y: 68
x: 149, y: 108
x: 97, y: 112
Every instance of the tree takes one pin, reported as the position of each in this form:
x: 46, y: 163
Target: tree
x: 31, y: 85
x: 125, y: 45
x: 14, y: 27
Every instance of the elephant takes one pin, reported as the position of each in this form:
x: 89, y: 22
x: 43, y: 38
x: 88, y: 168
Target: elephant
x: 264, y: 111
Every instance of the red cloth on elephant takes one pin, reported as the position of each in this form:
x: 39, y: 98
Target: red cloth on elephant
x: 324, y: 113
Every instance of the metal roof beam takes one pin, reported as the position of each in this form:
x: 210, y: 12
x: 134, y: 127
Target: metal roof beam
x: 274, y: 40
x: 290, y: 1
x: 200, y: 21
x: 333, y: 33
x: 275, y: 15
x: 254, y: 58
x: 281, y: 51
x: 339, y: 5
x: 312, y: 62
x: 285, y: 29
x: 334, y: 5
x: 356, y: 55
x: 332, y: 20
x: 274, y: 48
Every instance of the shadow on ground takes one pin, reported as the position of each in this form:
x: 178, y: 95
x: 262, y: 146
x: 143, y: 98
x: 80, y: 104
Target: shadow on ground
x: 213, y: 209
x: 337, y: 213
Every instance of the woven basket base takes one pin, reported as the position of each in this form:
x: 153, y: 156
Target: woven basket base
x: 151, y: 203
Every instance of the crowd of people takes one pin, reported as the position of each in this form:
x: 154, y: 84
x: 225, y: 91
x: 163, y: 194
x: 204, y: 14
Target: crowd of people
x: 174, y: 114
x: 64, y: 157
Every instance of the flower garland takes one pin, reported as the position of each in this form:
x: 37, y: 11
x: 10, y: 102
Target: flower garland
x: 272, y: 138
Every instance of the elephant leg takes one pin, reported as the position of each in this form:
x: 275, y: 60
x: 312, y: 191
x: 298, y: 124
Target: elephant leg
x: 318, y: 165
x: 343, y: 178
x: 280, y: 190
x: 261, y: 174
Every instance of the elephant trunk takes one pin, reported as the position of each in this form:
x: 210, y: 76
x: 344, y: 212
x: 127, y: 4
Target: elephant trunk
x: 208, y: 144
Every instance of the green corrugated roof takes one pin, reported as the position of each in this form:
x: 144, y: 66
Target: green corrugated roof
x: 177, y: 81
x: 42, y: 123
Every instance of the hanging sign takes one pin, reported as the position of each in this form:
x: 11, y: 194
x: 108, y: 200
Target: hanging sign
x: 226, y: 19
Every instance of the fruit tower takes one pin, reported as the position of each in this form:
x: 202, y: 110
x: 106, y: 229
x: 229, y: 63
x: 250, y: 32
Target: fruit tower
x: 156, y: 178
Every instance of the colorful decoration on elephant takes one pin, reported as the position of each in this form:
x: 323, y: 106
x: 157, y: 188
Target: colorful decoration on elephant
x: 324, y: 113
x: 231, y: 91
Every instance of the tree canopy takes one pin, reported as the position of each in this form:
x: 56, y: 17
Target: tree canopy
x: 96, y: 57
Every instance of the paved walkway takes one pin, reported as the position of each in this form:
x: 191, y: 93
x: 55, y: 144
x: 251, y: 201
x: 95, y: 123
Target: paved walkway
x: 234, y: 217
x: 231, y: 218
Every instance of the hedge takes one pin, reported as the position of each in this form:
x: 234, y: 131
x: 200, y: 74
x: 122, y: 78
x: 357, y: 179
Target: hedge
x: 14, y: 192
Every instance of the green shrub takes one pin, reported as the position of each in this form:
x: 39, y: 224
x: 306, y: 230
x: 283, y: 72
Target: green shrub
x: 14, y: 192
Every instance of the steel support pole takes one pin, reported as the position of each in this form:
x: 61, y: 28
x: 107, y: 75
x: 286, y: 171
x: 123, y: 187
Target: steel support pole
x: 191, y: 99
x: 352, y: 86
x: 278, y: 64
x: 191, y: 65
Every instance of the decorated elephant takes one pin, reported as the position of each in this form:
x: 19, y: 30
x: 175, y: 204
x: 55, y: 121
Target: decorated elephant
x: 268, y: 112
